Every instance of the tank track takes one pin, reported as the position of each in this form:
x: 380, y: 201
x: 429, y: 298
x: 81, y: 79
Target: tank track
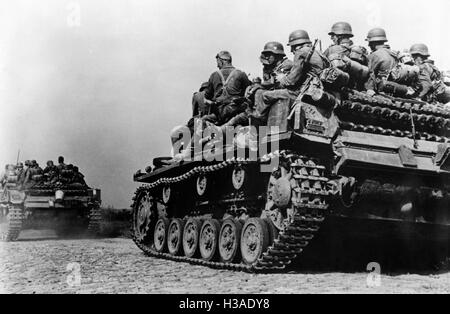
x: 392, y: 117
x: 14, y: 226
x: 289, y: 243
x: 95, y: 219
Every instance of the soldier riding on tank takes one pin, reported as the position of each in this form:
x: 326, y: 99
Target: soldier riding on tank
x: 344, y: 55
x: 275, y: 63
x: 432, y: 87
x: 293, y: 82
x: 386, y: 73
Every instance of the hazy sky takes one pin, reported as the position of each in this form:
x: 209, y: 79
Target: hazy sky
x: 102, y: 82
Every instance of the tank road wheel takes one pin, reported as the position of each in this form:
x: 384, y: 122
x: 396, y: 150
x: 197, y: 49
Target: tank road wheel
x: 254, y: 240
x: 278, y: 196
x: 229, y: 238
x: 191, y: 233
x: 209, y: 236
x: 175, y: 236
x: 160, y: 235
x: 144, y: 218
x: 10, y: 223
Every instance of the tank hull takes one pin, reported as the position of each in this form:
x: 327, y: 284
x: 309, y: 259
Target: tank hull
x: 324, y: 164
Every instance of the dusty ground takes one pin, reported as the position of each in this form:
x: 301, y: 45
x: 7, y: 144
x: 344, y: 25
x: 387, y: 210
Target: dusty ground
x: 46, y: 265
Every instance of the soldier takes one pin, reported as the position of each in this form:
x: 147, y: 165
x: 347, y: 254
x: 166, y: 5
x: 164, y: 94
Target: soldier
x: 430, y: 78
x: 226, y: 89
x: 25, y: 177
x: 200, y: 105
x: 51, y: 172
x: 37, y: 170
x: 292, y: 83
x: 78, y: 177
x: 382, y: 62
x: 61, y: 165
x: 340, y: 34
x: 275, y: 62
x: 381, y: 59
x: 343, y: 54
x: 19, y: 170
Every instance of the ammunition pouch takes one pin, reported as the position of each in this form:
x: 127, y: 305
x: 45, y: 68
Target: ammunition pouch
x: 334, y: 78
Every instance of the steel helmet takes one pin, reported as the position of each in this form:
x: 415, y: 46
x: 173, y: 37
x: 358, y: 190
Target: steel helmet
x: 224, y: 55
x: 376, y: 34
x: 419, y: 49
x: 299, y: 37
x: 341, y: 28
x: 274, y: 47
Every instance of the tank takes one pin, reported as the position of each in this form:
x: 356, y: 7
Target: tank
x: 368, y: 157
x: 68, y: 208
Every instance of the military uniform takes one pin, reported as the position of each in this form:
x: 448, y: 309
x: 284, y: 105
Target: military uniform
x: 269, y: 83
x: 284, y: 66
x: 427, y: 75
x: 236, y: 82
x: 381, y: 63
x: 61, y: 167
x: 235, y: 88
x: 292, y: 83
x: 51, y: 173
x: 339, y: 51
x: 199, y: 105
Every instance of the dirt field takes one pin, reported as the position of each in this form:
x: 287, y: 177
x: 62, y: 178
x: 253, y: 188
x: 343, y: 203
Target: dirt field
x: 48, y: 265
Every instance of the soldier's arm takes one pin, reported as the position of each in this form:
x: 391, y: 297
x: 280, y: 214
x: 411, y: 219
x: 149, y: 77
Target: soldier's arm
x: 374, y: 64
x: 425, y: 83
x: 296, y: 72
x: 287, y: 66
x: 209, y: 90
x: 245, y: 81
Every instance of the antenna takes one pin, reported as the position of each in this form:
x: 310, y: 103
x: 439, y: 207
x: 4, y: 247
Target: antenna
x: 416, y: 144
x: 18, y: 155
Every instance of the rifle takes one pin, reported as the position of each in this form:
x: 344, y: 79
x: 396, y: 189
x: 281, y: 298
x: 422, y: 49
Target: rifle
x: 306, y: 63
x: 310, y: 53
